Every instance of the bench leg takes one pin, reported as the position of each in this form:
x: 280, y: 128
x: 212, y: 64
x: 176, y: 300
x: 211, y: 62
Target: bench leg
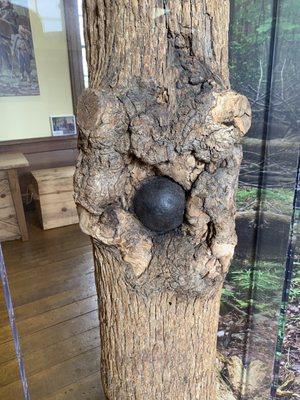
x: 17, y: 199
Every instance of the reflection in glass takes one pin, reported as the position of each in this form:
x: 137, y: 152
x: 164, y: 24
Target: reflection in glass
x: 265, y: 54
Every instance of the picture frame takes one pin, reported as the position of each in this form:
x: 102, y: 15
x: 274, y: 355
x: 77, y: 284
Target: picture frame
x: 18, y: 72
x: 63, y: 125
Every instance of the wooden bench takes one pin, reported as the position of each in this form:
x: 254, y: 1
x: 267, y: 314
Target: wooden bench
x: 12, y: 217
x: 53, y: 192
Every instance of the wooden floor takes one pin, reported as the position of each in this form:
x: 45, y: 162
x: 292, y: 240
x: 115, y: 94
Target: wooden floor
x: 52, y: 284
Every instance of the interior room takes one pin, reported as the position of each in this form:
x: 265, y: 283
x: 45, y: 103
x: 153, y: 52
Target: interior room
x: 50, y: 301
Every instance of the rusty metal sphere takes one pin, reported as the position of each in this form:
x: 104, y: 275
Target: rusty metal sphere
x: 159, y: 204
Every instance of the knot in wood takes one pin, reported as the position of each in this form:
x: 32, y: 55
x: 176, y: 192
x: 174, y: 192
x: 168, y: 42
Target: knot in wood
x: 159, y: 204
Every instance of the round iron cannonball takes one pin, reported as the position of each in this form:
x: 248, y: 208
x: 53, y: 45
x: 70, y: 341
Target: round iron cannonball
x: 159, y: 204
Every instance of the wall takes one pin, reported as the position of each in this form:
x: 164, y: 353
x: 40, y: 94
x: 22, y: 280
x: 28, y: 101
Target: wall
x: 28, y: 116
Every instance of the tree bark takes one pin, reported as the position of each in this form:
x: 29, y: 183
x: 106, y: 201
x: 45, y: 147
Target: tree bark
x: 159, y: 104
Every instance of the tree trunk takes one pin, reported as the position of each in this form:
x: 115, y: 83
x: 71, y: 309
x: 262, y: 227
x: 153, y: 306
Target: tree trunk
x: 159, y: 104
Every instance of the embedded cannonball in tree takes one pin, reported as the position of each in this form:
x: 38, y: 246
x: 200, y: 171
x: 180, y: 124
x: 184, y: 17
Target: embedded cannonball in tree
x: 159, y: 204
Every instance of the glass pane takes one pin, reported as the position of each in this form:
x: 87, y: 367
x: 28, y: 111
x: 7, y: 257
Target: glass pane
x: 43, y: 71
x: 249, y: 54
x: 54, y: 301
x: 264, y: 53
x: 280, y: 167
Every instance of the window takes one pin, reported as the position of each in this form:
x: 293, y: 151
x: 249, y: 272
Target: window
x: 84, y: 63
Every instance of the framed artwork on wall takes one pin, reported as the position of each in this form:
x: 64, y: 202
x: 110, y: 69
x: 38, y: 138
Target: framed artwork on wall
x: 64, y: 125
x: 18, y: 71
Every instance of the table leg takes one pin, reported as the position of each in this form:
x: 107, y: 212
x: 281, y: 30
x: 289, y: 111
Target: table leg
x: 17, y: 199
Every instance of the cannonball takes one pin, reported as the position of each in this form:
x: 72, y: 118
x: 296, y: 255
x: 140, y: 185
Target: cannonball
x: 159, y: 204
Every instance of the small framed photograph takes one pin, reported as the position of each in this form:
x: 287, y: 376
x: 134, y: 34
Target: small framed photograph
x: 64, y: 125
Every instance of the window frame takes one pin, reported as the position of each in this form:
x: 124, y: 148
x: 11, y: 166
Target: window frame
x: 71, y: 15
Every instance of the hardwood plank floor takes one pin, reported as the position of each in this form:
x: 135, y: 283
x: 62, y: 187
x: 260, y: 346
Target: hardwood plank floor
x: 52, y: 284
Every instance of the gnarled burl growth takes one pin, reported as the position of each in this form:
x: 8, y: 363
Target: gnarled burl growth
x: 159, y: 104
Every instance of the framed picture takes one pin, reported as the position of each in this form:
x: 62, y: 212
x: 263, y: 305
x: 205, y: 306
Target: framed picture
x: 64, y: 125
x: 18, y: 72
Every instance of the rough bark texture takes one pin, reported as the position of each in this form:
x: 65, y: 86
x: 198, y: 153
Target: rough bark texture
x: 152, y: 348
x: 159, y: 103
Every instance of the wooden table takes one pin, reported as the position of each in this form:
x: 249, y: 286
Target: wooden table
x: 12, y: 218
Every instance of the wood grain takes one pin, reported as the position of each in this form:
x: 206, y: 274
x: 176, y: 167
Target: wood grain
x: 159, y: 104
x: 57, y: 317
x: 87, y: 389
x: 50, y: 318
x: 44, y: 152
x: 17, y: 200
x: 54, y: 194
x: 54, y: 180
x: 12, y: 161
x: 47, y: 381
x: 80, y: 289
x: 9, y: 227
x: 52, y: 355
